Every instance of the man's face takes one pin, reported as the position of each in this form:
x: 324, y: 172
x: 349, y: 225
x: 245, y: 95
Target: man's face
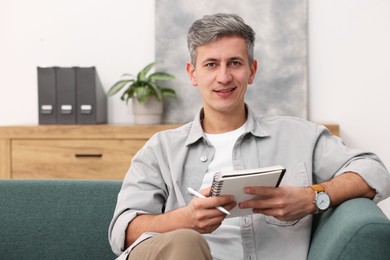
x: 222, y: 74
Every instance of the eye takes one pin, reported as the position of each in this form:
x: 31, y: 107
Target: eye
x: 210, y: 65
x: 235, y: 63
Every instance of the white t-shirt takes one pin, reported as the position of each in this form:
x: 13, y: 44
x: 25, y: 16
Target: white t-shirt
x: 226, y: 241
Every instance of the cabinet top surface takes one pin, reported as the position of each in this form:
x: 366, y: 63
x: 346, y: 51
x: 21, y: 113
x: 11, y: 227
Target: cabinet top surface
x: 104, y: 131
x: 82, y: 131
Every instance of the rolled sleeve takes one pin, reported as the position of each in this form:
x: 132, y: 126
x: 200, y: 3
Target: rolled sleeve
x: 333, y: 158
x: 117, y: 231
x: 374, y: 173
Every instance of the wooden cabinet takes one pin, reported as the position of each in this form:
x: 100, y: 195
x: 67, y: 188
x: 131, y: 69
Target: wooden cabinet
x: 74, y: 151
x: 71, y: 151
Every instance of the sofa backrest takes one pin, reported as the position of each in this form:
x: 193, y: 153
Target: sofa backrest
x: 56, y: 219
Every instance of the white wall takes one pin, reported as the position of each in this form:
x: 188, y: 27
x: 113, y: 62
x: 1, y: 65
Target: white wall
x: 349, y: 71
x: 115, y: 36
x: 348, y: 58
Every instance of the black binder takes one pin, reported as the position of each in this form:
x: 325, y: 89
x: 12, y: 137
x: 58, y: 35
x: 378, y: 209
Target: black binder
x: 91, y: 97
x: 66, y: 95
x: 47, y: 95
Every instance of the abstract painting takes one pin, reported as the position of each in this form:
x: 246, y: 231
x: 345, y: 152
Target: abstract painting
x: 280, y: 86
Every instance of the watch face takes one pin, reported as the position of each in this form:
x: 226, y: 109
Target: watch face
x: 323, y: 201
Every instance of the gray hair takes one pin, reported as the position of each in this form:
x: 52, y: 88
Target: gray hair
x: 213, y: 27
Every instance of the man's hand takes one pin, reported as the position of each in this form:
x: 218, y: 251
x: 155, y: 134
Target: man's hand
x: 285, y: 203
x: 200, y: 215
x: 204, y: 216
x: 292, y: 203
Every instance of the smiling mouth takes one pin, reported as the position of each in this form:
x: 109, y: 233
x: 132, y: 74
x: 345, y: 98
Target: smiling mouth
x: 225, y: 90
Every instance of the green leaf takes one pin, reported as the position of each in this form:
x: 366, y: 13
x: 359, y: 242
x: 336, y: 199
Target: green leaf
x: 142, y: 94
x: 156, y: 91
x: 168, y: 92
x: 118, y: 86
x: 128, y: 94
x: 128, y: 75
x: 142, y: 74
x: 161, y: 76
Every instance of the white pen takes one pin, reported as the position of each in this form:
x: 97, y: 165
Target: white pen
x: 199, y: 195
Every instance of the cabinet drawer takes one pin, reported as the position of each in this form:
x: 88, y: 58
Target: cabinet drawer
x: 72, y: 159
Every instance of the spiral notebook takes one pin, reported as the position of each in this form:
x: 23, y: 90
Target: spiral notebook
x: 233, y: 183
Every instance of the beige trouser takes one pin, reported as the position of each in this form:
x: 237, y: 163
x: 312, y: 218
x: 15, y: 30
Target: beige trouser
x: 182, y: 244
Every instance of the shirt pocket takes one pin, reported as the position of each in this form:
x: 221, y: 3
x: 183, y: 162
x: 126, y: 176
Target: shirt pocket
x: 277, y: 222
x: 296, y: 175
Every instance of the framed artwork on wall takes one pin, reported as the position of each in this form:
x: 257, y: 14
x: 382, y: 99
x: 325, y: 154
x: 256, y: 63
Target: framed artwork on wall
x: 280, y: 86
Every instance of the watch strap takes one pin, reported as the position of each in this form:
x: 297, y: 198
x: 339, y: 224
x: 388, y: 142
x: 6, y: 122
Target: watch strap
x: 317, y: 188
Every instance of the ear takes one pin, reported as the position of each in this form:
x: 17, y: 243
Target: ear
x: 253, y: 70
x: 191, y: 73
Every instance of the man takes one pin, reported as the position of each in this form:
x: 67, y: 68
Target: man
x: 156, y: 218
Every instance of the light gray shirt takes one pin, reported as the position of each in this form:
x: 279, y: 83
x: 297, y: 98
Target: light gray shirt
x: 175, y: 159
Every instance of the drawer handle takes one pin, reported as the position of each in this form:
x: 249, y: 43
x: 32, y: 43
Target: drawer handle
x: 88, y: 155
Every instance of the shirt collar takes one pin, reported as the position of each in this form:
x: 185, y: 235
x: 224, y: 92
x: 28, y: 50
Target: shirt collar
x: 254, y: 126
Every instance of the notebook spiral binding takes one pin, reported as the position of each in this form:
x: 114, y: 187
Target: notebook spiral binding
x: 217, y: 185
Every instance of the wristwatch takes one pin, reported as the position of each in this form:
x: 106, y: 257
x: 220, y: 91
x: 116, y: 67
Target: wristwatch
x: 322, y: 199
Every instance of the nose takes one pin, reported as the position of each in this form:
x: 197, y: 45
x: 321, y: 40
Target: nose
x: 224, y: 76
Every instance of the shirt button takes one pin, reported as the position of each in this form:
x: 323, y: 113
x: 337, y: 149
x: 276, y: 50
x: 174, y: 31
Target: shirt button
x: 246, y: 221
x: 203, y: 158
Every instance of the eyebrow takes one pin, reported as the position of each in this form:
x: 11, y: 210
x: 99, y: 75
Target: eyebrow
x: 230, y: 59
x: 237, y: 58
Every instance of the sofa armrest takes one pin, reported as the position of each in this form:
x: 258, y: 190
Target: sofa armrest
x: 357, y: 229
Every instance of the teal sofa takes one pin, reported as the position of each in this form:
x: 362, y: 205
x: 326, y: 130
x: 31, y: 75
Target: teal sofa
x: 68, y: 219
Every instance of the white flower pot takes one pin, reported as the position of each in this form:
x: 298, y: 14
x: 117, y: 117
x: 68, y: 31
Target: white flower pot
x: 147, y: 113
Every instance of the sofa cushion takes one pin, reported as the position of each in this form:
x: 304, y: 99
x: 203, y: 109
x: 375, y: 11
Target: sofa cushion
x: 56, y: 219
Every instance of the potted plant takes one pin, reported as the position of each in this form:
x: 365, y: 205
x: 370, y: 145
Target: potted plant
x: 147, y: 95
